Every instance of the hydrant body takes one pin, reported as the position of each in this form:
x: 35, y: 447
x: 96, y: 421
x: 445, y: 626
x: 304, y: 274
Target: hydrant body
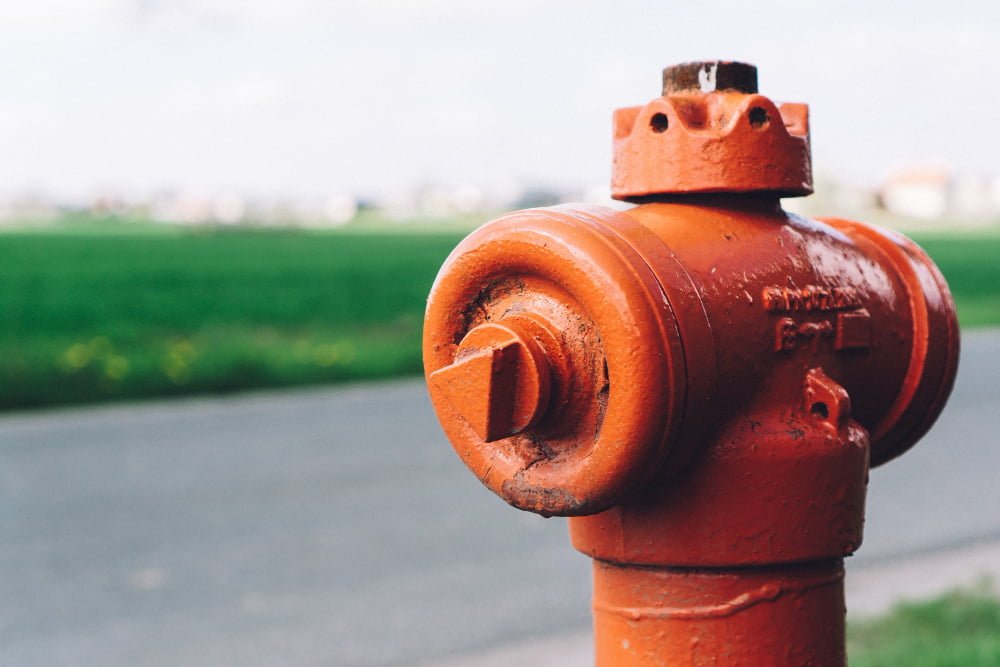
x: 700, y: 382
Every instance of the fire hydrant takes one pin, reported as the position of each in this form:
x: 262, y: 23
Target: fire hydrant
x: 701, y: 382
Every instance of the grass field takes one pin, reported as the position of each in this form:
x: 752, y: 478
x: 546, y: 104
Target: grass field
x: 961, y: 629
x: 101, y: 311
x: 971, y: 263
x: 89, y: 317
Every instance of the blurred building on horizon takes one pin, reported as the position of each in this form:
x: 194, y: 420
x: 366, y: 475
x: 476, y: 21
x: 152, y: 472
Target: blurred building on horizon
x: 922, y: 195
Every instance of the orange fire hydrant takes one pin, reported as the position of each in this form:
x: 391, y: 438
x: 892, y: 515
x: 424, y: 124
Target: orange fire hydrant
x: 700, y: 382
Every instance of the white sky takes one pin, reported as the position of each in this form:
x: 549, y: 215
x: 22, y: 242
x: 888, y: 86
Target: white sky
x: 307, y: 97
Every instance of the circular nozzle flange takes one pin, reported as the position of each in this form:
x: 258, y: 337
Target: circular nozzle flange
x: 934, y: 354
x: 553, y: 360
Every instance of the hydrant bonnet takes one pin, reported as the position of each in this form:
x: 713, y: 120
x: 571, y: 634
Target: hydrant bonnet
x: 711, y: 132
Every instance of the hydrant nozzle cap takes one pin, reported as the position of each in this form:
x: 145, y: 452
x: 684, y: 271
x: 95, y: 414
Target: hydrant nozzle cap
x: 709, y: 76
x: 554, y: 360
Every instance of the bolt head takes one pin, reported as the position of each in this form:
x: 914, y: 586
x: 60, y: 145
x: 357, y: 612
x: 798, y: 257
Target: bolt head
x: 499, y: 381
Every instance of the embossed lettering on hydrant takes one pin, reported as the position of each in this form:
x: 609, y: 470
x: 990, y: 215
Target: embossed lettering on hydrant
x: 809, y: 298
x: 852, y: 330
x: 789, y: 333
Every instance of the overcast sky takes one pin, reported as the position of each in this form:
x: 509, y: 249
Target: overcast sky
x: 308, y: 97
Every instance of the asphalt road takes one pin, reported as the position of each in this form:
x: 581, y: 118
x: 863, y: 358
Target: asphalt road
x: 336, y: 527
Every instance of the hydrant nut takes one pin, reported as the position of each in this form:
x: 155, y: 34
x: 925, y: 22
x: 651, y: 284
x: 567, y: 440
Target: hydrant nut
x: 499, y: 381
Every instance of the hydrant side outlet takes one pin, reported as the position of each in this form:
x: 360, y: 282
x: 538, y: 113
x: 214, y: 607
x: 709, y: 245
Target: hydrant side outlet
x: 701, y: 382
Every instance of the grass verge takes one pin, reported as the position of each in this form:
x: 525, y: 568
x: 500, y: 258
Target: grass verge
x: 971, y: 264
x: 89, y: 317
x: 961, y: 629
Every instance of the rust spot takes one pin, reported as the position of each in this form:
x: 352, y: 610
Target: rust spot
x: 547, y: 501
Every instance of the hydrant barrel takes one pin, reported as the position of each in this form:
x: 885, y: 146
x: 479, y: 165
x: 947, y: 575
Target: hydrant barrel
x: 700, y: 382
x: 657, y: 616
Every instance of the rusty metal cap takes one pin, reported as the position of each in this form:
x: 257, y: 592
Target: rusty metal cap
x: 553, y: 360
x: 708, y: 76
x: 711, y: 132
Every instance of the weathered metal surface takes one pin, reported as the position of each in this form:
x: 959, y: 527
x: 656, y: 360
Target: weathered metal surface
x: 711, y: 132
x: 710, y: 76
x: 701, y: 383
x: 791, y: 615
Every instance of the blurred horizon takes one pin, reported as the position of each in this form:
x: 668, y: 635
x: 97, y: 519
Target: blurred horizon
x: 310, y: 100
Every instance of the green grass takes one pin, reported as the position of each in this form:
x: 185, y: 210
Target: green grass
x: 88, y: 316
x: 971, y: 264
x: 94, y: 310
x: 961, y: 629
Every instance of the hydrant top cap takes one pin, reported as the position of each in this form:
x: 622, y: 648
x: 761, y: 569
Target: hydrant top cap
x: 708, y: 76
x: 710, y: 132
